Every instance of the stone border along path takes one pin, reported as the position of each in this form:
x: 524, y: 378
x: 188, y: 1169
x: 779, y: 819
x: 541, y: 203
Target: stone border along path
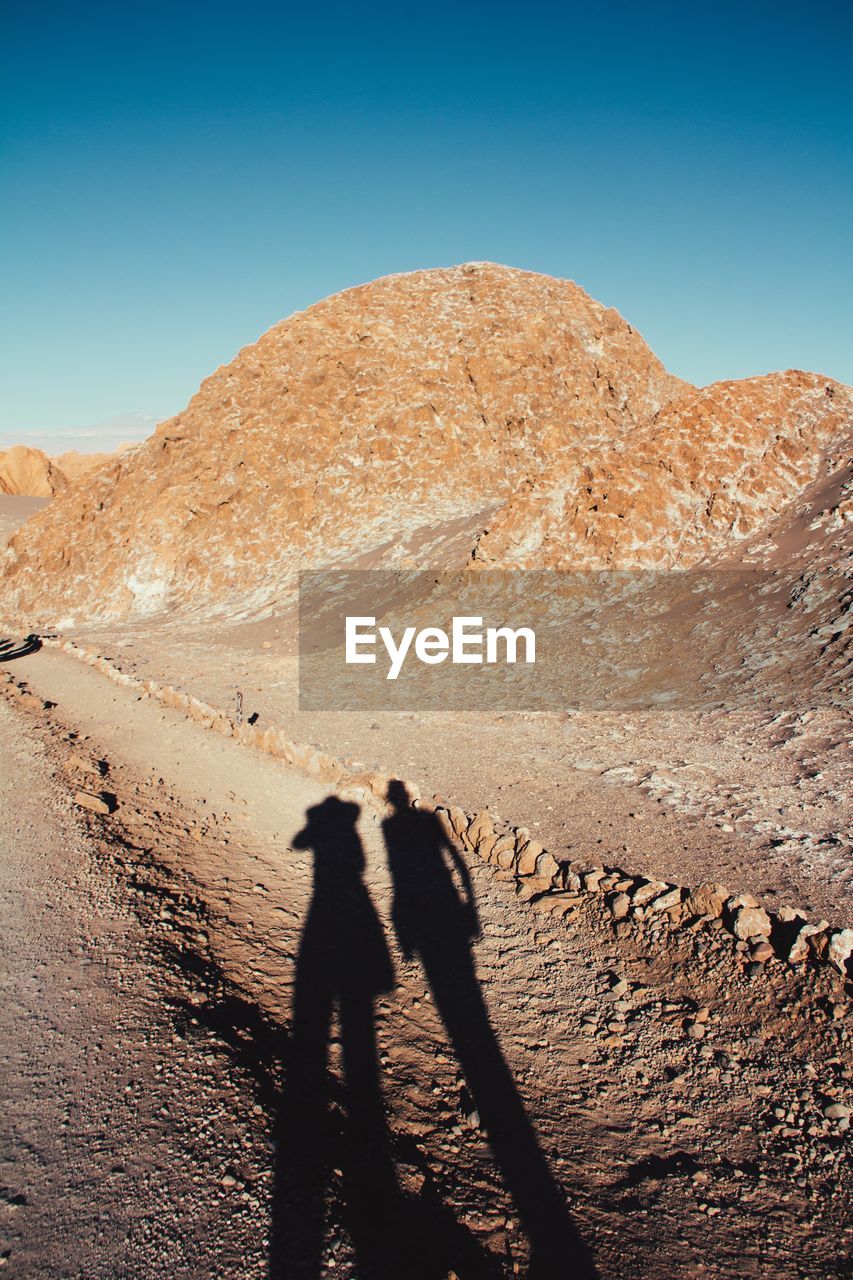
x: 628, y: 902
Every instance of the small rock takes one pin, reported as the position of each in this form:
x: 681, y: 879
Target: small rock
x: 619, y: 904
x: 30, y: 702
x: 502, y: 846
x: 526, y: 865
x: 749, y: 922
x: 837, y: 1111
x: 647, y: 890
x: 761, y: 951
x: 818, y: 939
x: 77, y: 764
x: 741, y: 900
x: 707, y: 900
x: 663, y: 902
x: 546, y: 866
x: 504, y: 856
x: 798, y: 948
x: 480, y: 829
x: 103, y: 802
x: 459, y: 821
x: 840, y: 950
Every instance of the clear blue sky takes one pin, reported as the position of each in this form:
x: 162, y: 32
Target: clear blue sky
x: 177, y: 177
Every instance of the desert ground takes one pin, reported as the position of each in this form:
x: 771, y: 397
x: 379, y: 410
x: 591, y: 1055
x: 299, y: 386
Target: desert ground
x: 512, y: 1094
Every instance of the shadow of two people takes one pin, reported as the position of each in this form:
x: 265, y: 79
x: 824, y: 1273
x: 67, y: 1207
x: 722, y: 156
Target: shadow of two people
x: 344, y: 966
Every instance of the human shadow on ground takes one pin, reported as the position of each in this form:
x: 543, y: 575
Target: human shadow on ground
x: 336, y: 1161
x: 10, y: 649
x: 343, y: 966
x: 437, y: 923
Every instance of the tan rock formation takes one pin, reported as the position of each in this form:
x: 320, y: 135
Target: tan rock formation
x: 711, y: 469
x: 475, y: 415
x: 30, y: 473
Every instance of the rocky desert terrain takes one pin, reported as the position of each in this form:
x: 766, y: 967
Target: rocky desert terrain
x: 554, y: 991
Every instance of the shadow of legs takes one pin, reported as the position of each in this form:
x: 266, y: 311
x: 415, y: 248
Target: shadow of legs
x: 437, y: 921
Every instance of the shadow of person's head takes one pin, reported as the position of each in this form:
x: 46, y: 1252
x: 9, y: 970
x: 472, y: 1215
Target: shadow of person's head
x: 332, y: 819
x: 398, y: 796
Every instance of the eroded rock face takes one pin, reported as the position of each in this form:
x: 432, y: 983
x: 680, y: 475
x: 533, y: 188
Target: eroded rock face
x: 30, y: 473
x: 74, y: 464
x: 711, y: 469
x: 475, y: 415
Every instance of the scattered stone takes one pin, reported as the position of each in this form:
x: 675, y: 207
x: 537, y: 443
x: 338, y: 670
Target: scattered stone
x: 840, y: 949
x: 749, y: 922
x: 530, y: 851
x: 708, y: 899
x: 619, y: 904
x: 647, y: 890
x: 761, y: 951
x: 665, y: 901
x: 103, y: 802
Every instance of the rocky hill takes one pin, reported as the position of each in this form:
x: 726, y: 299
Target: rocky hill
x: 474, y: 415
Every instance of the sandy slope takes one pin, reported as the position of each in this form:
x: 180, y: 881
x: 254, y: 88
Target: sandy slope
x: 496, y: 1089
x: 14, y: 510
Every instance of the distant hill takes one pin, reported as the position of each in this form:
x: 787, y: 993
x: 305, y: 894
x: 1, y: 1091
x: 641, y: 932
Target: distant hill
x: 99, y: 437
x: 30, y: 473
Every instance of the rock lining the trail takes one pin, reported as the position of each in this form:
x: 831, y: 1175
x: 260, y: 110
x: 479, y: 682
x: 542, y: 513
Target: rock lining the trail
x: 559, y: 886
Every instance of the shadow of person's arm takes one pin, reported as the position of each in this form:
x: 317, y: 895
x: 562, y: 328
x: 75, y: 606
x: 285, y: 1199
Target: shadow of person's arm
x: 468, y: 901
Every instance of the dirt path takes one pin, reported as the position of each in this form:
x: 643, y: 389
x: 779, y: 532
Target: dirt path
x: 100, y: 1132
x: 500, y: 1094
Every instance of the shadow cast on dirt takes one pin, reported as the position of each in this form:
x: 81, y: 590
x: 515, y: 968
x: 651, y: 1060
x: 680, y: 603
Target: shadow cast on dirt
x: 11, y: 649
x: 336, y: 1158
